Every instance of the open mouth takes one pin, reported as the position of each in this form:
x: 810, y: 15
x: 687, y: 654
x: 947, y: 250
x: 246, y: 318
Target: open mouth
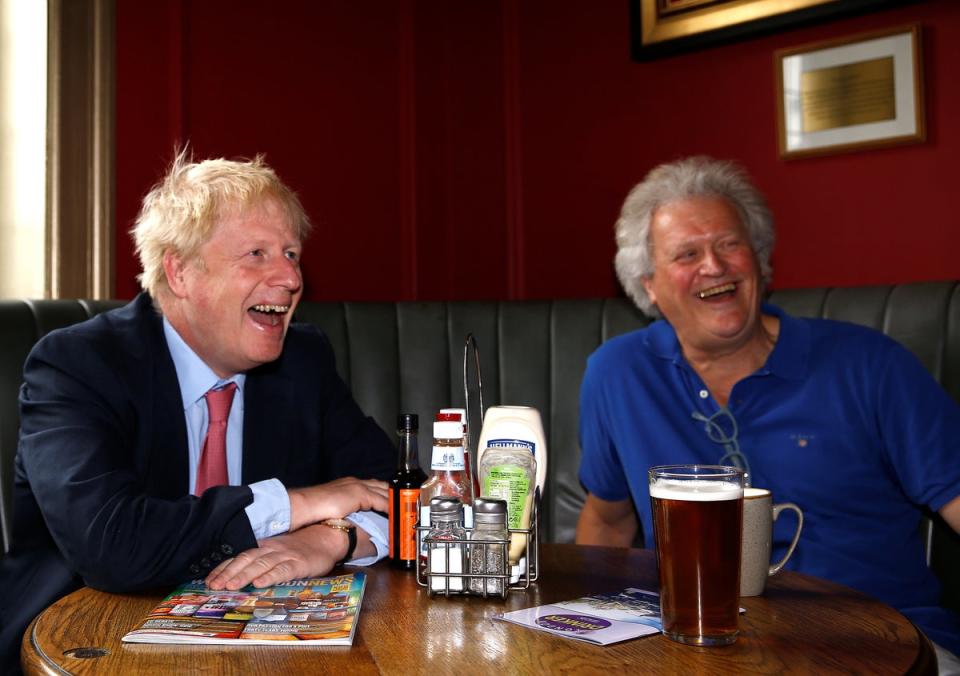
x: 268, y: 315
x: 715, y: 291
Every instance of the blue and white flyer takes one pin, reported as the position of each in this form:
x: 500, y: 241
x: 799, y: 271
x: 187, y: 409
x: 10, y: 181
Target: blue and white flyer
x: 601, y: 619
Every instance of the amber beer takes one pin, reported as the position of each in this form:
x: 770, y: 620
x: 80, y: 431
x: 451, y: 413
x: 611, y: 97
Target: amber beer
x: 697, y: 521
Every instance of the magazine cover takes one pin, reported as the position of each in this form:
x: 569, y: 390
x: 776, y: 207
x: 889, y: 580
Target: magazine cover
x: 601, y: 619
x: 314, y: 611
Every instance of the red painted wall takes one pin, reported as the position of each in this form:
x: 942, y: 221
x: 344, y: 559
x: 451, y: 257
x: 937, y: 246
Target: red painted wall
x: 471, y: 150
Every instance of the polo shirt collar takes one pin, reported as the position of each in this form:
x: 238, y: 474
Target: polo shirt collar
x: 787, y: 360
x: 791, y: 353
x: 661, y: 340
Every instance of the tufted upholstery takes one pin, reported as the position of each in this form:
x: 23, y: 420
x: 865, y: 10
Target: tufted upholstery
x: 408, y: 357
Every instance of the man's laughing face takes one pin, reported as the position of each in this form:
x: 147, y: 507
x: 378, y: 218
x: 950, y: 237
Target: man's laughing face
x: 706, y: 278
x: 238, y: 295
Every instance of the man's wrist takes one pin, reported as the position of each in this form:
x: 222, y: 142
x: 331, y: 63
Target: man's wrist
x: 298, y: 509
x: 373, y: 537
x: 349, y: 529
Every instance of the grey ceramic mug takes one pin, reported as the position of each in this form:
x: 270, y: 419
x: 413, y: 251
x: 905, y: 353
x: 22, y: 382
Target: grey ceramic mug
x: 759, y: 513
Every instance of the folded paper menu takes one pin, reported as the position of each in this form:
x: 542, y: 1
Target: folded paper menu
x: 300, y: 612
x: 601, y: 619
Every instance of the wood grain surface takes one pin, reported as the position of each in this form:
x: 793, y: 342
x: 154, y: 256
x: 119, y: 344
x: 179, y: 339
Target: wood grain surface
x: 801, y: 625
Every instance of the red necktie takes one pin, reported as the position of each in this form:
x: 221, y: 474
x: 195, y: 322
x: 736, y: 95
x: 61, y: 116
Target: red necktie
x: 212, y: 470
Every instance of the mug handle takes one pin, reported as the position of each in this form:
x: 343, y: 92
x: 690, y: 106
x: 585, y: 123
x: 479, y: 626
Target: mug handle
x: 775, y: 568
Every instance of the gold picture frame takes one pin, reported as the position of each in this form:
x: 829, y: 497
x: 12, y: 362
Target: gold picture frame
x: 854, y: 93
x: 666, y: 27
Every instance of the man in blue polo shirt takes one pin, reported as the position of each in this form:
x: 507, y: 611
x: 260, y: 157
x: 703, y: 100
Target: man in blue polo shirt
x: 835, y: 417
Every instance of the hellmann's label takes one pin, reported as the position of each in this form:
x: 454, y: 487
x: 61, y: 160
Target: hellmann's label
x: 510, y: 483
x: 522, y: 443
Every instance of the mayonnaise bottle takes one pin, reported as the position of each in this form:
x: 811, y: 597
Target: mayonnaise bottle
x: 509, y: 473
x: 515, y: 426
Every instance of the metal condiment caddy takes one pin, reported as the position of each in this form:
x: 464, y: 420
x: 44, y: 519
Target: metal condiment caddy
x: 456, y: 574
x: 462, y: 563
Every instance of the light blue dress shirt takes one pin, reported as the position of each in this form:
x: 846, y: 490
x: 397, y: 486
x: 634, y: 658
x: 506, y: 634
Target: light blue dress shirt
x: 269, y: 513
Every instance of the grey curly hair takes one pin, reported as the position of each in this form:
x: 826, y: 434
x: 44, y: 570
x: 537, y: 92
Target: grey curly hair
x: 673, y: 182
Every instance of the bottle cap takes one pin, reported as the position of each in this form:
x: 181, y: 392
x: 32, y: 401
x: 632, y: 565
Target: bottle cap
x: 459, y: 413
x: 490, y: 510
x: 445, y: 508
x: 408, y: 422
x: 447, y: 430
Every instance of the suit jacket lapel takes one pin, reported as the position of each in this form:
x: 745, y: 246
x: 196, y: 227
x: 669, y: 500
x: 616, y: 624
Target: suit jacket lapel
x: 268, y: 409
x: 167, y: 471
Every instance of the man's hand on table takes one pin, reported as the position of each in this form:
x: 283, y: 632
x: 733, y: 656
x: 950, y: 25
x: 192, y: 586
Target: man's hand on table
x: 309, y: 549
x: 336, y: 499
x: 308, y: 552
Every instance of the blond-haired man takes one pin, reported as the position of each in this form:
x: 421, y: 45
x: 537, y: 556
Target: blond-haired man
x: 117, y: 485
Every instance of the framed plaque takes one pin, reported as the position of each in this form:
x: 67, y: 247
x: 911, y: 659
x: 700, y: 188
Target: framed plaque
x: 854, y: 93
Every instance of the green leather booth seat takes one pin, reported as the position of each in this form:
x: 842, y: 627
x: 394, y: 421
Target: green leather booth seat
x: 408, y: 357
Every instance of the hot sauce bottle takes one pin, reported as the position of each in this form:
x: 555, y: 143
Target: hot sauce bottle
x: 471, y: 469
x: 404, y: 494
x: 448, y: 475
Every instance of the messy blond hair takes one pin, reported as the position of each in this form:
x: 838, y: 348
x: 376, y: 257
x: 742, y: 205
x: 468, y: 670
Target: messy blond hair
x: 179, y: 213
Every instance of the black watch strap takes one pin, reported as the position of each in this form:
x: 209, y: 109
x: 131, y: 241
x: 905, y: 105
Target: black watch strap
x: 351, y: 530
x: 351, y: 546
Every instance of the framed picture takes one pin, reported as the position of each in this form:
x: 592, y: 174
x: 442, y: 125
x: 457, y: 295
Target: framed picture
x: 854, y: 93
x: 665, y: 27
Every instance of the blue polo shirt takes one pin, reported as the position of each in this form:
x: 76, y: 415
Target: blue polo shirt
x: 841, y: 420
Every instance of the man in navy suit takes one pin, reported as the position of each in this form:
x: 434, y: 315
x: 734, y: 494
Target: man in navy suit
x: 111, y: 482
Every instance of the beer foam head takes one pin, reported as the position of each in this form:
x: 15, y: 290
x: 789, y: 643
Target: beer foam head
x: 694, y: 490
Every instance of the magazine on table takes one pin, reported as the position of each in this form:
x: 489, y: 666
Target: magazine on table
x: 601, y: 619
x: 304, y: 612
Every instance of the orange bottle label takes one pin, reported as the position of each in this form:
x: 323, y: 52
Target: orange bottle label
x: 408, y: 523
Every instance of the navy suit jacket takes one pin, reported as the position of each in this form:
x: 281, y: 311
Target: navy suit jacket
x: 101, y: 495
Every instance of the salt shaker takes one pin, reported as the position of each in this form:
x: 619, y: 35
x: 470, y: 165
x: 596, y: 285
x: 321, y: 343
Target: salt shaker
x: 445, y: 544
x: 488, y: 556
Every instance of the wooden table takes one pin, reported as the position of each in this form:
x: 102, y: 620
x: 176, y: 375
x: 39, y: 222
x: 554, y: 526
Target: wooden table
x: 801, y: 625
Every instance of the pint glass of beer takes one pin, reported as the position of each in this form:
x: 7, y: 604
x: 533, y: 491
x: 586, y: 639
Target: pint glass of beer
x: 697, y: 516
